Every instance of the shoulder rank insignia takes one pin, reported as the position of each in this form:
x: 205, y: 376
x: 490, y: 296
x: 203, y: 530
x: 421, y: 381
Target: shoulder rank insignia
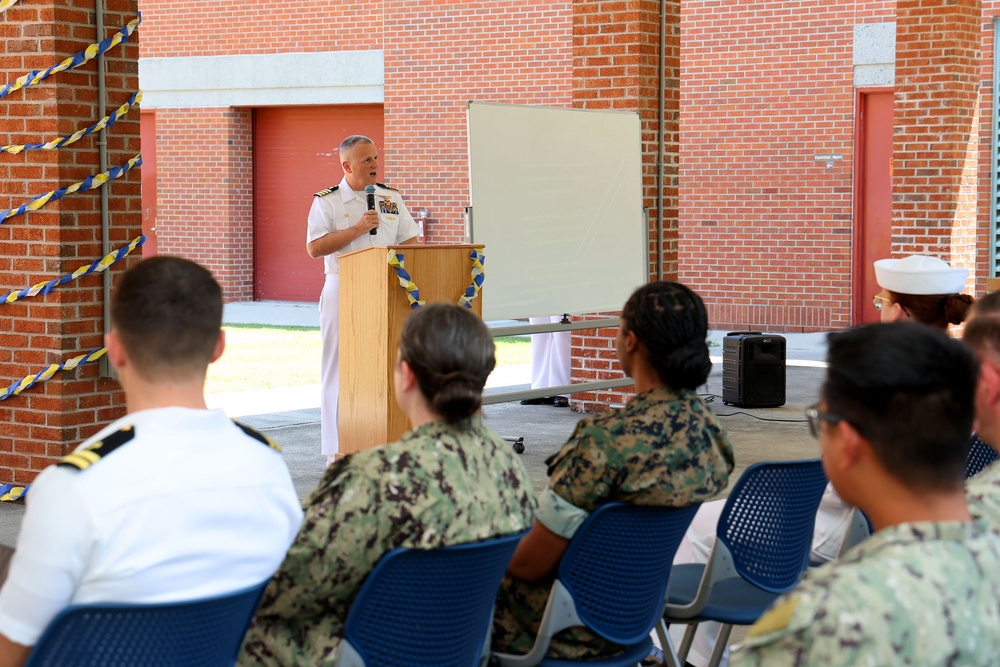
x: 387, y: 187
x: 323, y: 193
x: 257, y: 435
x: 86, y: 457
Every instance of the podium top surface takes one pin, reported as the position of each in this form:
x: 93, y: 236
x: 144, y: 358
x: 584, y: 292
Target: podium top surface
x: 417, y: 246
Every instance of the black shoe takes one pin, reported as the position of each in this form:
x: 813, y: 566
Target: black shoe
x: 544, y: 400
x: 560, y: 401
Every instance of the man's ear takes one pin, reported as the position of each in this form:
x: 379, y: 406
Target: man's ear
x: 853, y: 446
x: 346, y: 166
x: 631, y: 342
x: 116, y: 351
x: 220, y: 346
x: 988, y: 386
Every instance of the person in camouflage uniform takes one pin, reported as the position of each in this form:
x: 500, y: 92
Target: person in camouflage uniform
x: 894, y: 424
x: 665, y: 448
x: 982, y: 334
x: 450, y: 480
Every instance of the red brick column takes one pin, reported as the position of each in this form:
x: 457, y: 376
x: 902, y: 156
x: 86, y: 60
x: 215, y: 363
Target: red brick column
x: 937, y: 116
x: 44, y: 422
x: 616, y: 63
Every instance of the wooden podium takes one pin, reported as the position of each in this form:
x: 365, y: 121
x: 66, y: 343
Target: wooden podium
x: 373, y: 306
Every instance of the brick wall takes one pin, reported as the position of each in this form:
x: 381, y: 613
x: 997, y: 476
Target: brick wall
x: 204, y: 193
x: 765, y: 229
x: 440, y: 55
x: 196, y: 27
x: 981, y: 263
x: 937, y: 118
x: 616, y: 66
x: 45, y: 422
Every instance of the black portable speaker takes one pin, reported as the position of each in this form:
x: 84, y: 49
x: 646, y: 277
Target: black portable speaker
x: 753, y: 369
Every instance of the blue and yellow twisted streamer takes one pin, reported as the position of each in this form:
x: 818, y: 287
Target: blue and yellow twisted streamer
x: 478, y: 276
x: 107, y: 121
x: 88, y: 183
x: 7, y: 4
x: 43, y: 375
x: 11, y: 492
x: 412, y: 293
x: 74, y: 61
x: 94, y: 267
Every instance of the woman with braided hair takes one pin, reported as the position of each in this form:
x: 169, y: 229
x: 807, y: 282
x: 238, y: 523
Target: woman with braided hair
x: 449, y: 480
x: 665, y: 448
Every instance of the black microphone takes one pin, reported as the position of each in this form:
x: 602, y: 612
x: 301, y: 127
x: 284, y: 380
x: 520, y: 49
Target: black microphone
x: 370, y: 191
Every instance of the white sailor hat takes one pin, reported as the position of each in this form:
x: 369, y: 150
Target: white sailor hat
x: 919, y: 274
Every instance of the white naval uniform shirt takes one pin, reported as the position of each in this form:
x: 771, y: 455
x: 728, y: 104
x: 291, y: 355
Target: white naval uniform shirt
x: 343, y: 207
x: 190, y: 507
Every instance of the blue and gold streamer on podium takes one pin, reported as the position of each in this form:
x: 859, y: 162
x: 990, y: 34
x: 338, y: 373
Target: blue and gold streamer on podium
x: 105, y: 122
x: 11, y: 492
x: 74, y: 61
x: 7, y: 4
x: 88, y: 183
x: 52, y: 369
x: 412, y: 293
x: 94, y: 267
x: 478, y: 276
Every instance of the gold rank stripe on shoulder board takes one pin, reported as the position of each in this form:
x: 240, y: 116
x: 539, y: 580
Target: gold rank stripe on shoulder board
x: 325, y: 192
x: 88, y: 456
x: 258, y: 436
x: 387, y: 187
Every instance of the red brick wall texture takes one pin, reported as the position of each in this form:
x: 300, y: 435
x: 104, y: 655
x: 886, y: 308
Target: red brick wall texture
x: 42, y: 424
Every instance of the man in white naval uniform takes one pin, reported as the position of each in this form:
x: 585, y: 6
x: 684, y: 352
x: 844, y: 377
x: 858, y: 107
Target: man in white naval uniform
x: 339, y: 221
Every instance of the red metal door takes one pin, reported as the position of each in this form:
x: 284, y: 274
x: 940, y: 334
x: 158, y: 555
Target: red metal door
x: 295, y: 155
x: 872, y: 197
x: 147, y: 138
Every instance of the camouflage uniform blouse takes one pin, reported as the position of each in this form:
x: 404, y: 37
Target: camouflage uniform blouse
x: 665, y: 449
x: 438, y: 485
x: 912, y: 594
x: 983, y: 494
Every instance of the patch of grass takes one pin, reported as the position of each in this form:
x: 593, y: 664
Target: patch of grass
x: 260, y: 356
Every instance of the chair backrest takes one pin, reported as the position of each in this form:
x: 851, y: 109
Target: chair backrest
x: 767, y: 521
x: 617, y: 565
x: 429, y: 607
x: 980, y: 456
x: 200, y: 633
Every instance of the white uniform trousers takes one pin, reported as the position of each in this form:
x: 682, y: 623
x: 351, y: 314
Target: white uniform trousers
x: 550, y: 355
x: 329, y: 327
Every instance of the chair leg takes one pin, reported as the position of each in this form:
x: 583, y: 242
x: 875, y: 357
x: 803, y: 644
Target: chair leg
x: 720, y: 645
x: 682, y: 654
x: 670, y: 657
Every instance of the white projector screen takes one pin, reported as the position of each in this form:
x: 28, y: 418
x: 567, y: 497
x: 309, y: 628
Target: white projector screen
x: 556, y: 199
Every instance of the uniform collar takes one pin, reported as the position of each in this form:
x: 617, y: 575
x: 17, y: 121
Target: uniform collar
x: 916, y: 532
x: 346, y: 193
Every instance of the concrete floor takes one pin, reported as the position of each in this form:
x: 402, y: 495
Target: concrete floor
x: 545, y: 429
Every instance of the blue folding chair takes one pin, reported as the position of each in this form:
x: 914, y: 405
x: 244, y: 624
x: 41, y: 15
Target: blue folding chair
x: 980, y: 456
x: 200, y: 633
x: 427, y: 607
x: 611, y: 580
x: 761, y: 549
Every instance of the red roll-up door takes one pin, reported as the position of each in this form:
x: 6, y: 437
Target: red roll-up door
x: 295, y: 155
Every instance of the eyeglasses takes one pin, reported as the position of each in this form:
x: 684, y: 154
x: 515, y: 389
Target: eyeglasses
x: 814, y: 416
x: 877, y: 300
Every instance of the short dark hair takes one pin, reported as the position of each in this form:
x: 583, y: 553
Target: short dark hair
x: 909, y: 389
x: 451, y: 353
x: 982, y: 332
x: 167, y: 311
x: 936, y: 310
x: 670, y: 321
x: 352, y: 141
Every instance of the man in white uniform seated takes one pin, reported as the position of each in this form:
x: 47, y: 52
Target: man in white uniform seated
x: 171, y: 502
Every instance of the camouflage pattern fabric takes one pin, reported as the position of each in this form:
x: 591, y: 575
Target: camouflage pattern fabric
x: 439, y: 485
x: 912, y: 594
x: 664, y: 449
x: 983, y: 495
